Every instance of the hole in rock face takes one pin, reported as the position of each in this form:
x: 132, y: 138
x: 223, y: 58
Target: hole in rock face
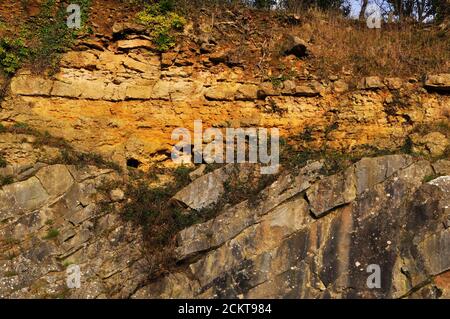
x: 132, y: 162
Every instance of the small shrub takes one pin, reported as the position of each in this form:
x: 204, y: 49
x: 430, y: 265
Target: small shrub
x: 407, y: 147
x: 181, y: 174
x: 429, y: 178
x: 71, y: 157
x: 67, y: 263
x: 20, y: 125
x: 162, y: 23
x: 6, y: 180
x: 277, y: 81
x: 3, y: 161
x: 10, y: 273
x: 49, y: 33
x: 306, y: 135
x: 12, y: 54
x: 51, y: 233
x: 164, y: 41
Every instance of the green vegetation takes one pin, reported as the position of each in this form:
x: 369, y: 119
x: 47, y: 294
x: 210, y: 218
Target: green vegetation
x: 20, y: 125
x: 429, y: 178
x: 6, y: 180
x: 10, y: 256
x: 10, y: 273
x: 277, y: 80
x: 3, y: 161
x: 51, y: 233
x: 306, y: 135
x: 163, y: 23
x: 150, y: 207
x: 294, y: 156
x: 43, y: 38
x: 71, y: 157
x: 67, y: 263
x: 49, y: 222
x: 407, y: 147
x: 334, y: 161
x: 51, y: 35
x: 12, y: 54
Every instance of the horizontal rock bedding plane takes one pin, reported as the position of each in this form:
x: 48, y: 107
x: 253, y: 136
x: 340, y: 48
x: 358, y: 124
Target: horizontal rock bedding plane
x: 133, y: 98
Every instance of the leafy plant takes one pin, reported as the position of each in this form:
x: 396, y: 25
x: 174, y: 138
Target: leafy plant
x: 162, y: 22
x: 51, y: 233
x: 6, y: 180
x: 12, y: 54
x: 431, y: 177
x: 67, y: 263
x: 10, y: 273
x: 49, y: 33
x: 3, y: 161
x: 20, y: 125
x: 277, y: 81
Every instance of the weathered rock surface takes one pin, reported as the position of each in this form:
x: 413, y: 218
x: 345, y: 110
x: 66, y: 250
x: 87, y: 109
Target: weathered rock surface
x: 122, y: 91
x: 379, y: 212
x: 49, y: 219
x: 215, y: 232
x: 372, y: 82
x: 434, y: 143
x: 293, y: 45
x: 207, y: 189
x: 440, y: 82
x: 331, y: 192
x: 307, y: 236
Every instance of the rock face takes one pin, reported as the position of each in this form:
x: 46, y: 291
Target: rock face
x: 377, y: 229
x: 117, y: 96
x: 377, y: 214
x: 207, y: 189
x: 295, y: 46
x: 50, y: 219
x: 371, y: 82
x: 439, y: 82
x: 331, y: 192
x: 434, y: 143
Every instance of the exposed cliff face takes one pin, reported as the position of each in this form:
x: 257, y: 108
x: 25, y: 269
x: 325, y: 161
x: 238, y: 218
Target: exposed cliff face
x: 121, y: 99
x: 307, y: 235
x: 315, y: 236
